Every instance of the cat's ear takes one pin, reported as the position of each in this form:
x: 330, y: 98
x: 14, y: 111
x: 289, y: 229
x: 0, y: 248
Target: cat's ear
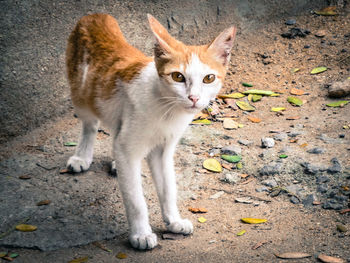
x: 222, y: 45
x: 164, y: 39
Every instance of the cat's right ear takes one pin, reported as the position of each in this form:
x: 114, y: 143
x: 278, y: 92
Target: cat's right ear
x: 164, y: 39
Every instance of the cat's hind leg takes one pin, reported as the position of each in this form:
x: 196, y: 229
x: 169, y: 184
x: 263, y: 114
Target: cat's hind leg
x: 82, y: 158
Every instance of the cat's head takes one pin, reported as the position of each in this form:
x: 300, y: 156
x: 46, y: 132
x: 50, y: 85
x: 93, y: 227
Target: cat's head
x: 193, y: 75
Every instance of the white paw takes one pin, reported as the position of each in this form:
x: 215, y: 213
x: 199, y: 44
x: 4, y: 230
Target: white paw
x: 182, y: 226
x: 77, y: 164
x: 143, y: 241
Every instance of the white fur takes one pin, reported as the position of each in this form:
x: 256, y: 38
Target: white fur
x: 148, y: 117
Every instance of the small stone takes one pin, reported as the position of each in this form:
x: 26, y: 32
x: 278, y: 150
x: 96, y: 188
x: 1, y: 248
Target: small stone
x: 217, y: 195
x: 322, y: 179
x: 214, y: 152
x: 332, y: 204
x: 294, y: 189
x: 245, y: 142
x: 271, y: 169
x: 341, y: 135
x: 341, y: 228
x: 269, y: 183
x: 267, y: 142
x: 230, y: 178
x: 308, y: 201
x: 290, y: 22
x: 280, y: 136
x: 262, y: 189
x: 294, y: 134
x: 316, y: 150
x: 320, y: 33
x: 339, y: 89
x: 267, y: 153
x: 313, y: 168
x: 307, y: 46
x: 336, y: 167
x: 294, y: 200
x: 231, y: 150
x: 322, y: 188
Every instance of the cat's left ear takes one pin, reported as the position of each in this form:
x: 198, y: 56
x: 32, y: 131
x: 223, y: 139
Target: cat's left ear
x: 222, y: 45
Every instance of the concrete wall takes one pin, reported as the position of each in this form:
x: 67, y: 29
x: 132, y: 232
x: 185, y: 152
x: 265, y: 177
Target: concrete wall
x: 33, y: 34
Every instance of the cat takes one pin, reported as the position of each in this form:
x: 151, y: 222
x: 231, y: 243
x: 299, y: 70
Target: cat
x: 147, y: 103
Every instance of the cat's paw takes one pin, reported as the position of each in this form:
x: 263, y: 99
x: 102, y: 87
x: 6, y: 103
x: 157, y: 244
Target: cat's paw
x: 77, y: 164
x: 182, y: 226
x: 143, y: 241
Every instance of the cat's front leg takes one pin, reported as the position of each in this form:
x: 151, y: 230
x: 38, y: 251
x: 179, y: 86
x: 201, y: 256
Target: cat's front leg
x: 129, y: 178
x: 161, y: 164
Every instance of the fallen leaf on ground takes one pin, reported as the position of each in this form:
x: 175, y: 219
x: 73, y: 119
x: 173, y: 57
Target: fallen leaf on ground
x: 245, y: 84
x: 3, y: 254
x: 344, y: 211
x: 329, y: 259
x: 277, y: 109
x: 13, y: 255
x: 239, y: 166
x: 213, y: 110
x: 202, y: 220
x: 69, y: 144
x: 249, y: 220
x: 244, y: 200
x: 291, y: 255
x: 245, y: 106
x: 254, y: 119
x: 294, y: 101
x: 230, y: 124
x: 173, y: 236
x: 259, y: 92
x: 99, y: 245
x: 292, y: 118
x: 294, y: 70
x: 24, y: 177
x: 197, y: 210
x: 43, y: 202
x: 26, y: 228
x: 259, y: 244
x: 256, y: 98
x: 201, y: 115
x: 212, y: 165
x: 226, y: 166
x: 231, y: 158
x: 327, y: 11
x: 64, y: 171
x: 340, y: 103
x: 318, y: 70
x: 203, y: 121
x: 121, y: 255
x: 244, y: 175
x: 295, y: 91
x: 236, y: 95
x: 303, y: 145
x: 79, y: 260
x: 283, y: 156
x: 241, y: 233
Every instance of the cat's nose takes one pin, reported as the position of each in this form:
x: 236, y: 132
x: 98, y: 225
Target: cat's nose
x: 193, y: 98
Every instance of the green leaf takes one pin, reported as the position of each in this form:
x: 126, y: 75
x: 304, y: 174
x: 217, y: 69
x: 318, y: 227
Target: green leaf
x: 70, y: 144
x: 318, y: 70
x: 283, y: 156
x: 241, y: 233
x: 338, y: 103
x: 203, y: 121
x: 212, y: 165
x: 245, y: 84
x: 245, y: 106
x: 258, y: 92
x: 235, y: 95
x: 239, y: 166
x: 231, y: 158
x: 276, y: 109
x: 256, y: 98
x: 294, y: 101
x: 13, y: 255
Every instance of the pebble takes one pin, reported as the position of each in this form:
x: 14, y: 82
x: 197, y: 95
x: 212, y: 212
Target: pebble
x: 322, y: 188
x: 332, y: 204
x: 294, y: 200
x: 269, y: 183
x: 339, y: 89
x: 322, y: 179
x: 294, y: 189
x: 308, y: 201
x: 320, y: 33
x: 266, y: 154
x: 231, y: 150
x: 281, y: 136
x: 245, y: 142
x: 217, y: 195
x: 328, y: 139
x: 294, y: 134
x: 231, y: 178
x: 313, y: 168
x: 336, y: 167
x: 261, y: 189
x: 271, y: 169
x: 214, y: 152
x: 316, y: 150
x: 267, y: 142
x: 307, y: 46
x: 290, y: 22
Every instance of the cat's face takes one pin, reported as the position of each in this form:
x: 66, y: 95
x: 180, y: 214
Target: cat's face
x: 193, y: 75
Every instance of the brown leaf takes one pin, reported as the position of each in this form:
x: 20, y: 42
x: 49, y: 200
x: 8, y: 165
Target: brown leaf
x: 295, y: 255
x: 316, y: 203
x: 64, y: 171
x: 295, y: 91
x: 329, y: 259
x: 293, y: 141
x: 197, y: 210
x: 79, y: 260
x: 230, y: 124
x: 254, y: 119
x: 303, y: 145
x: 292, y: 118
x: 226, y: 166
x: 244, y: 175
x: 43, y: 202
x: 24, y: 177
x: 121, y: 255
x: 8, y: 258
x: 259, y: 244
x: 346, y: 210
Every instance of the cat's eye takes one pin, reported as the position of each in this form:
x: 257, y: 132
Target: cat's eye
x: 209, y: 78
x: 178, y: 77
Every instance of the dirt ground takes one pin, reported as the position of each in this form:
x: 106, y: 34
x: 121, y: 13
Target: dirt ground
x: 264, y: 59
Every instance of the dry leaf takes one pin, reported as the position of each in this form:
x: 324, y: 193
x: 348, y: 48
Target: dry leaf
x: 245, y: 106
x: 278, y: 109
x: 197, y: 210
x: 259, y: 244
x: 241, y: 233
x: 201, y: 116
x: 26, y: 228
x: 64, y: 171
x: 24, y: 177
x: 43, y: 202
x: 213, y: 110
x: 235, y: 95
x: 202, y: 220
x: 295, y: 91
x: 121, y: 255
x: 318, y: 70
x: 295, y: 255
x: 249, y: 220
x: 303, y: 145
x: 295, y: 101
x: 230, y: 124
x: 292, y: 118
x: 329, y: 259
x: 254, y: 119
x: 204, y: 121
x: 344, y: 211
x: 212, y: 165
x: 79, y: 260
x: 244, y: 175
x: 226, y: 166
x: 327, y: 11
x: 99, y: 245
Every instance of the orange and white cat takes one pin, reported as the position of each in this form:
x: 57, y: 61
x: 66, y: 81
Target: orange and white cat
x: 146, y: 102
